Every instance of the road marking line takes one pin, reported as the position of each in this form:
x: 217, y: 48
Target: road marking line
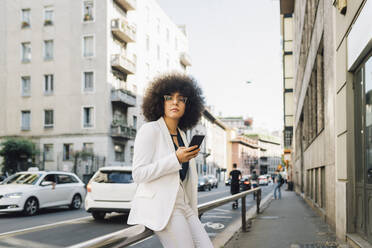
x: 41, y: 227
x: 216, y: 216
x: 141, y: 241
x: 215, y: 193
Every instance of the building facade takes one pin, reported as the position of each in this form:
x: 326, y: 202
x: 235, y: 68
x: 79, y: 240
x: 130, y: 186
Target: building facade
x: 244, y: 154
x: 58, y: 53
x: 332, y: 59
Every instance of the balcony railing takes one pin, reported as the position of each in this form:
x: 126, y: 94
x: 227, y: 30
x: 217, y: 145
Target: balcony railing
x: 123, y: 96
x: 185, y: 59
x: 122, y: 131
x: 123, y: 64
x: 126, y: 4
x: 123, y: 30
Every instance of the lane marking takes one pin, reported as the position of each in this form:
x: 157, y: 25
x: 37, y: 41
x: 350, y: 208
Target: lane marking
x: 41, y: 227
x: 215, y: 193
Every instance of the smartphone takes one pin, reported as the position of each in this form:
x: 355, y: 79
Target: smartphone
x: 196, y: 140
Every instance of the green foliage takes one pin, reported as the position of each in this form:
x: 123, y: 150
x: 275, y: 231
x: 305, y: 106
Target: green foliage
x: 16, y: 153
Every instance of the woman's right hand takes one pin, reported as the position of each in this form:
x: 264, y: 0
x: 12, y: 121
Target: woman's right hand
x: 184, y: 154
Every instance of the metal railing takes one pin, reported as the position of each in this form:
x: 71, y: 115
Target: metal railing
x: 134, y: 234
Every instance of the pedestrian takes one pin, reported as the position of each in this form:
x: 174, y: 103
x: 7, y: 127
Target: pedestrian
x: 235, y: 176
x: 254, y: 182
x: 164, y: 168
x: 278, y: 184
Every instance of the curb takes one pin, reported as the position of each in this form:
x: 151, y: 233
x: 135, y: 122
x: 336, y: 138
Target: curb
x: 223, y: 237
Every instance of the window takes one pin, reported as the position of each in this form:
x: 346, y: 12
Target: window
x: 48, y: 50
x: 88, y: 117
x: 26, y: 22
x: 62, y: 179
x: 48, y: 84
x: 158, y: 25
x: 158, y: 52
x: 26, y: 86
x: 88, y: 11
x: 48, y: 16
x: 67, y: 151
x: 110, y: 176
x: 48, y: 152
x: 48, y: 118
x: 147, y: 43
x: 26, y: 120
x: 88, y: 46
x: 134, y: 121
x: 119, y: 152
x: 131, y: 153
x: 88, y: 147
x: 88, y: 81
x: 26, y: 52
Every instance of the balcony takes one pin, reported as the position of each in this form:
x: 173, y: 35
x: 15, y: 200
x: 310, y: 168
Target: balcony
x: 185, y: 59
x: 122, y: 131
x: 123, y: 96
x: 122, y: 30
x: 123, y: 64
x: 126, y: 4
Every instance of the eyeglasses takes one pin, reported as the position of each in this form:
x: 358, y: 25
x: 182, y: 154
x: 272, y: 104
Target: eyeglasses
x: 169, y: 98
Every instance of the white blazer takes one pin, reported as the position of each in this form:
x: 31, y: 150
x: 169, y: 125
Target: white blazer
x: 156, y: 171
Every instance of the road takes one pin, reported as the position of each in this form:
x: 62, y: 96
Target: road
x: 61, y: 227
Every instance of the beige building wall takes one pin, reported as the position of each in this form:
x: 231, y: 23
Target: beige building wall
x: 314, y: 99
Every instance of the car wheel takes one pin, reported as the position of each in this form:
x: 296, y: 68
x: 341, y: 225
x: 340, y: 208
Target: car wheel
x: 76, y: 202
x: 210, y: 188
x: 98, y: 215
x: 31, y: 206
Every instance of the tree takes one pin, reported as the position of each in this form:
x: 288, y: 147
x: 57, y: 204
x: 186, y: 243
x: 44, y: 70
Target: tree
x: 17, y: 153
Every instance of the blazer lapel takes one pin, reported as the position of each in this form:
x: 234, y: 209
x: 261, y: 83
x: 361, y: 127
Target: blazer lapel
x: 164, y: 130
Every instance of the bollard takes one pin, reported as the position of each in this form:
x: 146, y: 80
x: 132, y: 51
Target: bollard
x: 244, y: 228
x: 258, y: 201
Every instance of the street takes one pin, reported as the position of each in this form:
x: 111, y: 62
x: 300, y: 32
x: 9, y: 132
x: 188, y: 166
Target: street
x: 60, y: 227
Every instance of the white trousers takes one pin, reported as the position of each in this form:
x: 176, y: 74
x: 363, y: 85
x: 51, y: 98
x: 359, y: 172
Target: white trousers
x: 184, y: 229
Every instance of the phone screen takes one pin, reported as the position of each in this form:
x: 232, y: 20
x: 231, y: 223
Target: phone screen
x: 196, y: 140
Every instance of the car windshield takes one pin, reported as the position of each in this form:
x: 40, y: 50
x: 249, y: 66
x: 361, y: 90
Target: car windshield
x: 24, y: 178
x: 113, y: 177
x: 201, y: 179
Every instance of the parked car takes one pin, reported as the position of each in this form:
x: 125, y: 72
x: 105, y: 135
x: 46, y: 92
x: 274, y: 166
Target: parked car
x: 228, y: 182
x: 204, y: 184
x: 111, y: 189
x: 30, y: 191
x: 262, y: 180
x: 245, y: 183
x: 213, y: 181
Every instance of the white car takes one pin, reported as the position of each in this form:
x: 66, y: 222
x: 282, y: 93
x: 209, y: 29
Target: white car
x: 262, y: 180
x: 29, y: 191
x: 111, y: 189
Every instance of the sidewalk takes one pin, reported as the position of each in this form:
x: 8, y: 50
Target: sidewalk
x: 288, y: 222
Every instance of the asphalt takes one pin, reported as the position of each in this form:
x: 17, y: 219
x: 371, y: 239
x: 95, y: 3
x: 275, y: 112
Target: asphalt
x: 288, y: 222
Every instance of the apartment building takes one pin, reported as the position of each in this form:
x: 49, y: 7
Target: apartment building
x: 72, y: 73
x: 245, y: 152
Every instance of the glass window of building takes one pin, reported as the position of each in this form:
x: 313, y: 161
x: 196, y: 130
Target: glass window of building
x: 26, y: 20
x: 48, y: 152
x: 26, y: 52
x: 88, y: 44
x: 26, y: 120
x: 67, y: 151
x: 88, y: 81
x: 26, y: 86
x: 48, y: 16
x: 48, y: 49
x: 88, y: 11
x: 88, y: 117
x: 119, y: 152
x: 88, y: 147
x: 48, y: 84
x: 48, y: 118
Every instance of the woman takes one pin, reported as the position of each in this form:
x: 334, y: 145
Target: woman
x: 163, y: 166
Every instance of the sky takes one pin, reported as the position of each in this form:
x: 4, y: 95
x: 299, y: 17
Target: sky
x: 232, y: 42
